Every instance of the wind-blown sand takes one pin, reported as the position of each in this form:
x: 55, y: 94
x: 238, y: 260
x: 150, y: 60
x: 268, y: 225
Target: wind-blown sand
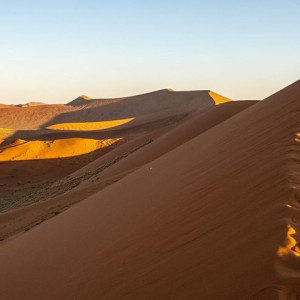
x: 213, y: 217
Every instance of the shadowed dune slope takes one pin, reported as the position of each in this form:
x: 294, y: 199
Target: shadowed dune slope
x: 80, y: 101
x: 31, y: 117
x: 204, y: 221
x: 159, y: 104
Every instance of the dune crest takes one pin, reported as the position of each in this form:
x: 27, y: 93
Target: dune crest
x: 85, y: 97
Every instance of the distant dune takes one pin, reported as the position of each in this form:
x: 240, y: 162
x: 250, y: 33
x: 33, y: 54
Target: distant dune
x: 196, y: 197
x: 85, y: 109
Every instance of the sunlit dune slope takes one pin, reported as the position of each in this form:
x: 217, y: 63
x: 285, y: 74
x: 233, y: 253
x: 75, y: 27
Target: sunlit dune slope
x: 90, y: 125
x: 31, y: 150
x: 6, y: 132
x: 219, y: 99
x: 204, y: 221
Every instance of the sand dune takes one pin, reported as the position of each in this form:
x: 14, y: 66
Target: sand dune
x: 208, y: 219
x: 164, y: 103
x: 85, y: 109
x: 24, y: 150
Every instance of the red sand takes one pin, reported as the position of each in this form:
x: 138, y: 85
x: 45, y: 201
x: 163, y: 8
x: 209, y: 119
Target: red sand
x: 209, y: 218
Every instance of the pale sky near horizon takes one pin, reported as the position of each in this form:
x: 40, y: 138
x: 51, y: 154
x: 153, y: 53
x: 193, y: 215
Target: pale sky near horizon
x: 54, y: 51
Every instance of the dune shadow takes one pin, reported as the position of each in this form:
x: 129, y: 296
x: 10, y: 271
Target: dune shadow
x: 24, y: 180
x: 135, y: 107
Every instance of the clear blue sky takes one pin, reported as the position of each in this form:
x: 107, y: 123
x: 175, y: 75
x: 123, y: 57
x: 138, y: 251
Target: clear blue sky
x: 53, y: 51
